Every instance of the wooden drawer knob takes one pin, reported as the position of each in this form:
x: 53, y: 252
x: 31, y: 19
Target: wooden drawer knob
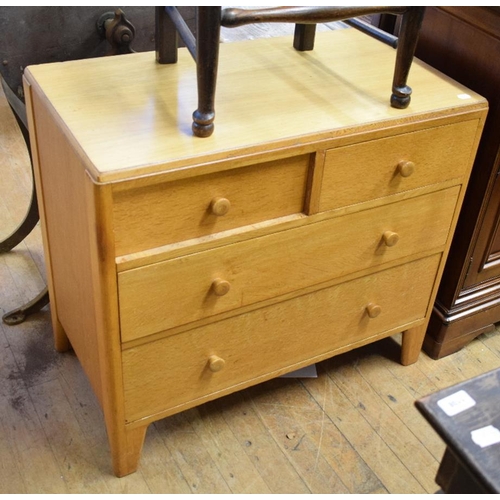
x: 215, y: 363
x: 390, y: 238
x: 406, y: 168
x: 373, y: 310
x: 220, y: 286
x: 220, y: 206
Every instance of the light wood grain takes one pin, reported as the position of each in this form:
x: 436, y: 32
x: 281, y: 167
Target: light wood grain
x: 355, y: 174
x: 61, y: 340
x: 298, y: 258
x: 376, y: 369
x: 261, y: 343
x: 262, y: 98
x: 267, y: 274
x: 390, y: 428
x: 28, y: 462
x: 50, y: 418
x: 406, y: 168
x: 349, y: 419
x: 237, y: 235
x: 182, y: 210
x: 220, y: 206
x: 226, y: 449
x: 66, y: 242
x: 311, y: 440
x: 259, y: 446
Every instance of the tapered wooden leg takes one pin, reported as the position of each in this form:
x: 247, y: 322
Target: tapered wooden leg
x: 407, y: 42
x: 126, y: 447
x: 207, y: 59
x: 61, y: 340
x: 412, y: 344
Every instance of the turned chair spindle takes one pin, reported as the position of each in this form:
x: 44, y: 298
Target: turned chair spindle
x: 205, y: 48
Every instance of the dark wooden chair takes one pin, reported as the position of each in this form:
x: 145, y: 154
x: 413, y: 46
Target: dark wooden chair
x: 205, y: 48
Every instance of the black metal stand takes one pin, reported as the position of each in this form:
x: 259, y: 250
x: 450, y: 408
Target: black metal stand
x: 119, y: 32
x: 31, y: 219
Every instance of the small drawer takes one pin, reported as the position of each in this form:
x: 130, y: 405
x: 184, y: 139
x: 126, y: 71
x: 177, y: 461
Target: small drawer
x: 155, y: 215
x: 375, y: 169
x: 179, y: 291
x: 236, y: 352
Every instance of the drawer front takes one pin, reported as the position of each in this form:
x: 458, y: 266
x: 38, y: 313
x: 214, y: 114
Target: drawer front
x: 374, y: 169
x: 151, y: 216
x: 178, y: 291
x: 178, y: 369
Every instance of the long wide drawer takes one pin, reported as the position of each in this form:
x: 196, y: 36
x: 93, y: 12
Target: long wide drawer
x: 154, y: 215
x: 375, y: 169
x: 178, y: 291
x: 225, y: 354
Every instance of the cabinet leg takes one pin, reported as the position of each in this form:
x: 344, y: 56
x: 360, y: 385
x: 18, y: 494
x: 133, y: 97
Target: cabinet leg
x: 126, y: 448
x: 412, y: 344
x: 61, y: 340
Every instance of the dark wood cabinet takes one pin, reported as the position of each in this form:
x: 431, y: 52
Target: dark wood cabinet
x: 464, y: 43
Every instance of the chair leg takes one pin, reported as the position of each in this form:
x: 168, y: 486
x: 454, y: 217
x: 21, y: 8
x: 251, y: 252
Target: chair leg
x: 407, y: 42
x: 207, y: 58
x: 303, y: 38
x: 166, y: 37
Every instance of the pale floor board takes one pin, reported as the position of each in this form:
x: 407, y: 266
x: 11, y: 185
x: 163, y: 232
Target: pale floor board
x: 354, y: 429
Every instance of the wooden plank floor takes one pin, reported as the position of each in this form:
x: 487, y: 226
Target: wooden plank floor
x: 353, y: 429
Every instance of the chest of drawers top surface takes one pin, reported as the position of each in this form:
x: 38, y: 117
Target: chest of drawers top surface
x: 129, y: 116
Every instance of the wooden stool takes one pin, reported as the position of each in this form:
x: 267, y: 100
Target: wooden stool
x: 205, y: 50
x: 467, y: 416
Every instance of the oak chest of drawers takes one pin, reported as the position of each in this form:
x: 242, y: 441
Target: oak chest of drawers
x: 316, y: 219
